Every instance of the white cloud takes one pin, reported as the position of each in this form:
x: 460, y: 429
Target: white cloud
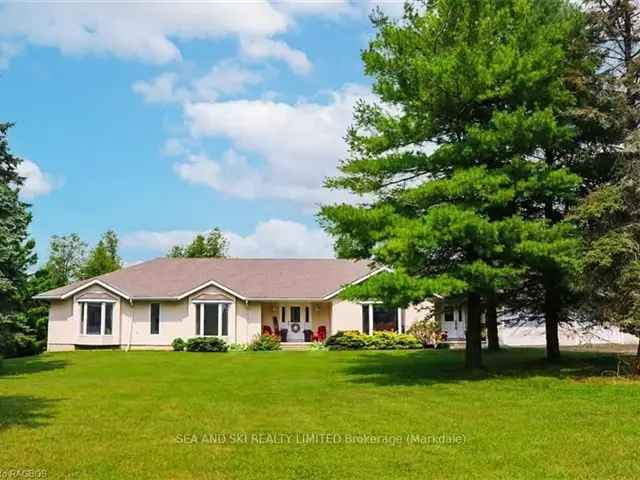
x: 224, y: 78
x: 36, y: 181
x: 142, y: 31
x: 300, y: 145
x: 263, y: 48
x: 281, y: 239
x: 161, y: 89
x: 271, y: 238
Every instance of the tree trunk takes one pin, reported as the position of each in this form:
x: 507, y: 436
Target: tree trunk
x: 491, y: 317
x: 551, y: 321
x: 473, y: 349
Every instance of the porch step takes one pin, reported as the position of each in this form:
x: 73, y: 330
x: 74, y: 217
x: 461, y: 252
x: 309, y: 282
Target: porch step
x: 295, y: 346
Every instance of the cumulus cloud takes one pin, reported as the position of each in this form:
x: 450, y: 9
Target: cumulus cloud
x: 142, y: 31
x: 300, y: 144
x: 264, y: 48
x: 223, y: 79
x: 271, y: 238
x: 36, y: 182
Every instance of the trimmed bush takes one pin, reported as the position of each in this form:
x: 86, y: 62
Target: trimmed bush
x: 428, y: 333
x: 354, y: 340
x: 206, y: 344
x: 264, y: 342
x: 179, y: 345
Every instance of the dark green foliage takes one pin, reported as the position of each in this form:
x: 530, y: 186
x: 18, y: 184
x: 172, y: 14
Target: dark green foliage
x: 264, y: 343
x: 103, y: 258
x: 354, y: 340
x: 214, y: 245
x: 609, y: 218
x: 206, y: 344
x: 178, y: 345
x: 458, y: 156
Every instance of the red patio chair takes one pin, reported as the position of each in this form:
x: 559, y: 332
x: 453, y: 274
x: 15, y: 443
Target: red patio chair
x: 321, y: 335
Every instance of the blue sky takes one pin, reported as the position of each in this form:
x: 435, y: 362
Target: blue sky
x: 160, y: 121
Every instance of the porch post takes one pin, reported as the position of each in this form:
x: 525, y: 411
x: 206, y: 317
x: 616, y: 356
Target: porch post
x: 371, y: 319
x: 399, y: 321
x: 83, y: 322
x: 201, y: 307
x: 102, y: 317
x: 220, y: 320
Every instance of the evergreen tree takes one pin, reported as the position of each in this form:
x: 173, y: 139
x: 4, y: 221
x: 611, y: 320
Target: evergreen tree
x: 16, y: 249
x: 609, y: 217
x: 457, y: 159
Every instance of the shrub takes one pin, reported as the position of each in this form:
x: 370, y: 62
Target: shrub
x: 346, y: 340
x: 178, y: 345
x: 238, y: 347
x: 428, y: 333
x: 21, y: 345
x: 206, y: 344
x: 354, y: 340
x: 264, y: 342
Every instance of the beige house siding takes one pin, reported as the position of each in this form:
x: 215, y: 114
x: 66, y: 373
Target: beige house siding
x: 345, y: 316
x: 415, y: 313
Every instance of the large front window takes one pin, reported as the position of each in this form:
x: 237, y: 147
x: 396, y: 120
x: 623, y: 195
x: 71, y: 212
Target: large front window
x: 96, y: 318
x: 212, y: 319
x: 377, y: 317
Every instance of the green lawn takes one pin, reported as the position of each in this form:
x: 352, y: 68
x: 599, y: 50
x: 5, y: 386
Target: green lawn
x: 105, y: 414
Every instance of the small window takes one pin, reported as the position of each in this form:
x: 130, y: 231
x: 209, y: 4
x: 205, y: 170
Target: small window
x: 306, y: 314
x: 155, y: 318
x: 108, y: 318
x: 365, y: 319
x: 283, y: 317
x: 448, y: 314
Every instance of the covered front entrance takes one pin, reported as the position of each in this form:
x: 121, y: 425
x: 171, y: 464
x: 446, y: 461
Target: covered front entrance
x: 296, y: 322
x: 295, y: 319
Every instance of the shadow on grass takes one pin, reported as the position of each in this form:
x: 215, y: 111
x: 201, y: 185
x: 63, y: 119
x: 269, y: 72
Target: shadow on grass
x: 25, y: 411
x: 430, y: 367
x: 26, y: 365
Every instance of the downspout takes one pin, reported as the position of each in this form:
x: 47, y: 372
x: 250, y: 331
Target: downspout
x: 131, y: 324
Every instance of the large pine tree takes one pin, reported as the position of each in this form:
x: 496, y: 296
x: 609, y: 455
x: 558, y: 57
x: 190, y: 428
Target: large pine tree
x: 456, y: 161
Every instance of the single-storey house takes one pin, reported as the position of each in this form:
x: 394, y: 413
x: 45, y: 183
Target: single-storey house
x: 150, y: 304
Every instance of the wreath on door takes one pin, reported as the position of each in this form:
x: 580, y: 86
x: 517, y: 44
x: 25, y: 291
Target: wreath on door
x: 295, y: 328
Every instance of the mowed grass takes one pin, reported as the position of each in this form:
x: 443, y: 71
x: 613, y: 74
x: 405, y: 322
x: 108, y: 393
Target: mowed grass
x: 103, y: 414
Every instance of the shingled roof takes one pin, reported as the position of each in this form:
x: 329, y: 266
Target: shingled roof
x: 248, y: 279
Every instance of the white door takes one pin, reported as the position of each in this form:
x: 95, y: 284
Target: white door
x: 454, y: 322
x: 294, y: 323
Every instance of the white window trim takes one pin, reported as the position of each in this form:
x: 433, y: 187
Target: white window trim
x: 84, y: 303
x: 200, y: 305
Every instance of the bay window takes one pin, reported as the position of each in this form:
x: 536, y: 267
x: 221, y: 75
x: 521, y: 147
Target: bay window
x: 96, y: 317
x: 378, y: 317
x: 212, y: 319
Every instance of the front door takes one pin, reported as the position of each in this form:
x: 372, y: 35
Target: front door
x: 296, y: 330
x: 454, y: 322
